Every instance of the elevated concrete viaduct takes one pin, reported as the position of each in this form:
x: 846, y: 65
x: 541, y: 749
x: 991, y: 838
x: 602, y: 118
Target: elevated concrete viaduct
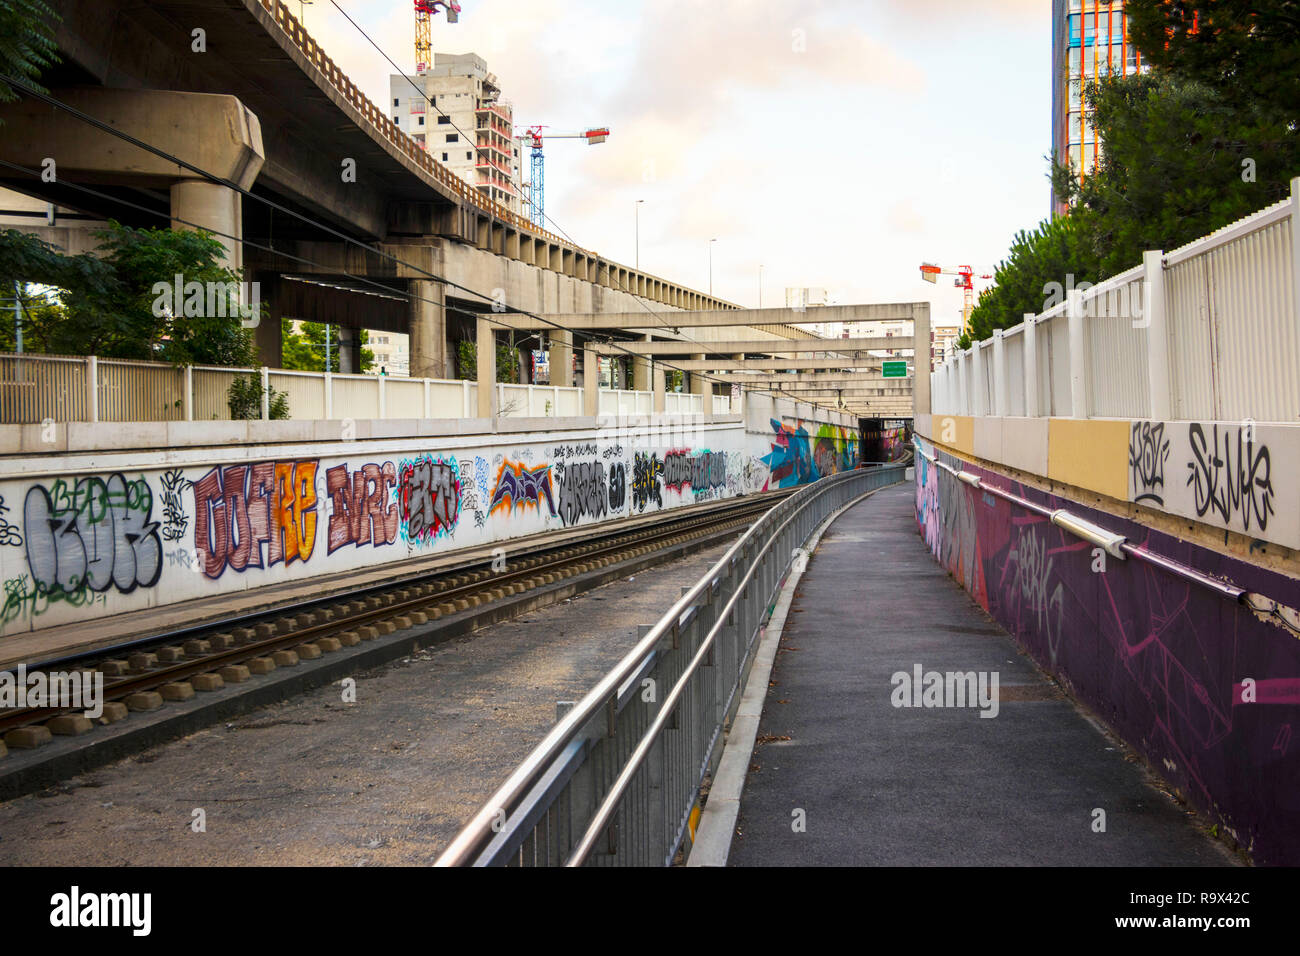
x: 326, y: 153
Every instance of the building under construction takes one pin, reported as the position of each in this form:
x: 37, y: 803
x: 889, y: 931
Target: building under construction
x: 453, y: 108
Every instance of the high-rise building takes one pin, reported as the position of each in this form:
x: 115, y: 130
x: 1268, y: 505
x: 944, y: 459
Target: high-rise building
x: 471, y: 131
x: 1089, y: 40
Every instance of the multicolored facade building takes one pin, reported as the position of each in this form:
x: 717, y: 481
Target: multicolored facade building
x: 1089, y: 40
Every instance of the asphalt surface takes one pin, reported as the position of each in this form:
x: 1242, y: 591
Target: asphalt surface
x: 883, y: 785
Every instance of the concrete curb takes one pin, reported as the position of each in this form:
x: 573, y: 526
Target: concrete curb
x: 718, y: 819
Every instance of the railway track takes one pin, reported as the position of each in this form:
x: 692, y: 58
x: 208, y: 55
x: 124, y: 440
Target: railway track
x: 146, y: 673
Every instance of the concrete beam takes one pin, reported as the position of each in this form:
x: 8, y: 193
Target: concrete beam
x: 807, y: 378
x: 836, y: 362
x: 761, y: 347
x: 891, y: 312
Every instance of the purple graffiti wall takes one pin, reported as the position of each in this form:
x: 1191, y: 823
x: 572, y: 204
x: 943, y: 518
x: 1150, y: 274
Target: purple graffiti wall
x: 1205, y: 688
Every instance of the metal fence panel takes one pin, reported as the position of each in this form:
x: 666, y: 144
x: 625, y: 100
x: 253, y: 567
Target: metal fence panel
x: 33, y: 389
x: 1117, y: 367
x: 1251, y: 295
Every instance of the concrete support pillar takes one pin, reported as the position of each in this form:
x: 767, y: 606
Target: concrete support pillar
x: 641, y: 371
x: 699, y: 384
x: 921, y: 358
x: 213, y: 207
x: 487, y: 369
x: 590, y: 383
x: 428, y: 329
x: 349, y: 351
x: 561, y: 358
x: 659, y: 389
x: 1153, y: 317
x: 524, y: 355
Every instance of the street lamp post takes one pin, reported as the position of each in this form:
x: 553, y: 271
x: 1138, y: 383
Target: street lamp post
x: 637, y: 207
x: 711, y: 242
x: 760, y: 285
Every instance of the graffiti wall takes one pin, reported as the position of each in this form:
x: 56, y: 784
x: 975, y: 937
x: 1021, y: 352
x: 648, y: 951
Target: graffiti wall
x: 80, y: 546
x: 1233, y: 475
x: 799, y: 455
x: 1207, y: 689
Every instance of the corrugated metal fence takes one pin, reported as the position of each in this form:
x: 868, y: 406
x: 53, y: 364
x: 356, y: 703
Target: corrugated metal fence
x: 1210, y: 331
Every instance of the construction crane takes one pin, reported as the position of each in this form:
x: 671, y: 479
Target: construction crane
x: 532, y: 136
x: 965, y: 274
x: 424, y: 11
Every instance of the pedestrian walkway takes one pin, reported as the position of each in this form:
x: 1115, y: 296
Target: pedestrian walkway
x: 843, y: 776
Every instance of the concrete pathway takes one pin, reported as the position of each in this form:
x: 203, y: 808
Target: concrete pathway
x: 874, y: 784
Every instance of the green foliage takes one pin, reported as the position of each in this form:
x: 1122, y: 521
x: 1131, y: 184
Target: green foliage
x: 107, y: 305
x: 303, y: 349
x: 27, y: 43
x: 674, y: 380
x: 1246, y: 51
x: 1054, y: 250
x: 245, y: 399
x: 467, y: 362
x: 507, y: 363
x: 1179, y: 161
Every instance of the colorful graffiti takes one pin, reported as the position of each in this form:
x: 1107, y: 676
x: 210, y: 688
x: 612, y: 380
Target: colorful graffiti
x: 647, y: 471
x: 240, y: 508
x: 704, y: 471
x: 519, y: 486
x: 93, y: 534
x: 361, y: 512
x: 429, y: 499
x: 1161, y: 658
x: 68, y: 543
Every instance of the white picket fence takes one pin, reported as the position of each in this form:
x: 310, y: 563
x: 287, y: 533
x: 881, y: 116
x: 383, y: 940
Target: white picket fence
x: 37, y: 388
x: 1210, y: 331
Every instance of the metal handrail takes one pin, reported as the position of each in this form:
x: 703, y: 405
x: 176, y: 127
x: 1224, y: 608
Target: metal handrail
x: 609, y: 806
x: 485, y: 826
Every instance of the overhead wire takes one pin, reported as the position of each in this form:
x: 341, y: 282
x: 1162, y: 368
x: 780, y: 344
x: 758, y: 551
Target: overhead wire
x: 579, y: 334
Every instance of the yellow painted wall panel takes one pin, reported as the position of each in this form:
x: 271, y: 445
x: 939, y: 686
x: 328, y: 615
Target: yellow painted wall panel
x: 1089, y: 454
x: 956, y: 432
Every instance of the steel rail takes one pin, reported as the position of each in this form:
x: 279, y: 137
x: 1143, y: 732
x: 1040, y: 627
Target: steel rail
x: 180, y: 670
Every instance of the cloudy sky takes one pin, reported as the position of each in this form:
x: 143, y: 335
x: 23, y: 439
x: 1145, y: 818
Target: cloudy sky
x: 837, y: 143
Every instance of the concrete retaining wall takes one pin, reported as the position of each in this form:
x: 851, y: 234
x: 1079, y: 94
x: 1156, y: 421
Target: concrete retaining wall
x: 92, y: 533
x: 1206, y: 688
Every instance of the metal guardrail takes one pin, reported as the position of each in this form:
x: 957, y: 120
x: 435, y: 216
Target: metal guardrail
x: 615, y: 780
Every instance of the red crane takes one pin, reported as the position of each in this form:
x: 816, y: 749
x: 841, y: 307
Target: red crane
x: 965, y: 275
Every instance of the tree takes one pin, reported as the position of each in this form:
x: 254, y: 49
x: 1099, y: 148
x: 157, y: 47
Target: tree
x: 1246, y: 51
x: 109, y: 304
x: 303, y: 348
x: 27, y: 44
x: 1056, y: 250
x: 467, y: 362
x: 1179, y: 162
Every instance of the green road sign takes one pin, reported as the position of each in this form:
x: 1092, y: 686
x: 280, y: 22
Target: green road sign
x: 894, y: 369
